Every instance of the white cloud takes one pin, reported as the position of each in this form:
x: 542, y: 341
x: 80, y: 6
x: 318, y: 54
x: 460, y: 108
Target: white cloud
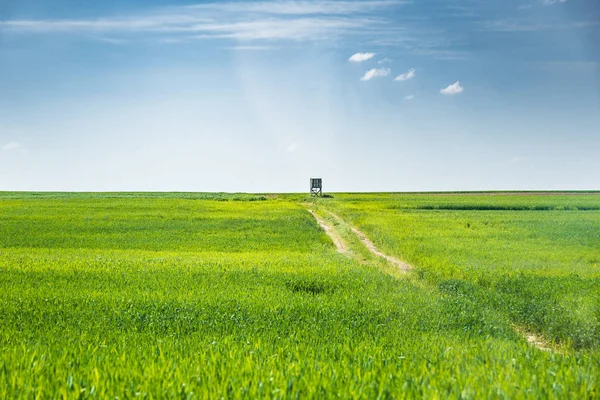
x: 292, y: 148
x: 455, y: 88
x: 360, y: 57
x: 374, y: 73
x: 407, y: 75
x: 409, y: 97
x: 550, y: 2
x: 11, y: 146
x: 384, y: 60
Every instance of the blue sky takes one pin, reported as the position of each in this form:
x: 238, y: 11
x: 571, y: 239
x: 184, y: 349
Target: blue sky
x: 258, y: 96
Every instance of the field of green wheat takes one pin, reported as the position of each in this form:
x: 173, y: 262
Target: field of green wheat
x: 165, y: 295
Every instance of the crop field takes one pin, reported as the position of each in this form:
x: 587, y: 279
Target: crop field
x: 165, y: 295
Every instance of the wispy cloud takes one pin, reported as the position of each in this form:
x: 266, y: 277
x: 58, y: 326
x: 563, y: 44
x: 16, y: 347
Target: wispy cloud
x: 510, y: 25
x: 453, y: 89
x: 515, y: 160
x: 567, y: 66
x: 11, y: 146
x: 409, y: 97
x: 365, y: 22
x: 360, y: 57
x: 295, y: 29
x: 301, y: 29
x: 551, y: 2
x: 411, y: 73
x: 384, y: 60
x: 299, y: 7
x: 374, y: 73
x: 252, y: 20
x: 112, y: 40
x: 253, y: 48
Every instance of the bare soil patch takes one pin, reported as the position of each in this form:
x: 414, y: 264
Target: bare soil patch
x: 533, y: 339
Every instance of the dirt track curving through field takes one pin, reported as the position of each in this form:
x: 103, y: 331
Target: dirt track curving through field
x: 331, y: 232
x: 341, y: 245
x: 532, y: 339
x: 371, y: 246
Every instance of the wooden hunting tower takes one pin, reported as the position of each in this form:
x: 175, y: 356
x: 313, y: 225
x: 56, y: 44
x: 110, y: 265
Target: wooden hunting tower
x: 316, y: 187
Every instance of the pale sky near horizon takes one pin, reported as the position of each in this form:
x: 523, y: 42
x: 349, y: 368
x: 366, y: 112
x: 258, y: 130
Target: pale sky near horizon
x: 259, y: 96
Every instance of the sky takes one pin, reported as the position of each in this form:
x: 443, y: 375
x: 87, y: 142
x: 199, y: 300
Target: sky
x: 259, y: 96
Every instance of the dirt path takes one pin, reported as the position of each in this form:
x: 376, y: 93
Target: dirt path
x: 343, y: 248
x: 372, y: 248
x: 331, y: 232
x: 533, y: 340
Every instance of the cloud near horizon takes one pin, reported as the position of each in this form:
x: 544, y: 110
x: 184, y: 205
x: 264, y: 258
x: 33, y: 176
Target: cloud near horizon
x: 292, y: 148
x: 11, y: 146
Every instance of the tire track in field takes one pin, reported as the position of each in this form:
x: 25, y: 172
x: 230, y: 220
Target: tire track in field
x: 533, y: 340
x: 343, y: 248
x: 371, y: 246
x: 332, y: 233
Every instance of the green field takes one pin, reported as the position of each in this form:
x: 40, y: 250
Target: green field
x: 244, y: 296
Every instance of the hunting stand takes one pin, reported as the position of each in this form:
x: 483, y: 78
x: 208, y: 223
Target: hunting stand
x: 316, y: 187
